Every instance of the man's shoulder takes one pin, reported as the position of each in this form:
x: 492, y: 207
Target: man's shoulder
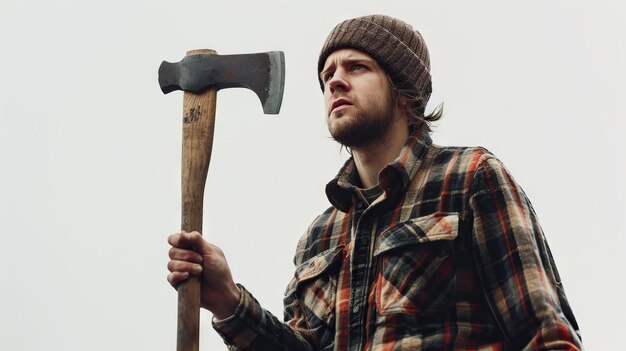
x: 444, y: 179
x: 456, y: 153
x: 464, y: 170
x: 459, y: 159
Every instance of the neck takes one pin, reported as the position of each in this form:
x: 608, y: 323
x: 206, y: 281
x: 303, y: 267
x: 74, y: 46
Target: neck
x: 370, y: 159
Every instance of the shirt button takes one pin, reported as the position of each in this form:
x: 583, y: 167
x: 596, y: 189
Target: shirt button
x: 355, y: 309
x: 359, y: 204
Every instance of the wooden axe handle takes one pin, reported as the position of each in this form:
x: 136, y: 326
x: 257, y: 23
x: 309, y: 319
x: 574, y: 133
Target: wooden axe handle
x: 198, y: 126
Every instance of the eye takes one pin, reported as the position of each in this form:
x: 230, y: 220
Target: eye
x: 357, y: 67
x: 327, y: 76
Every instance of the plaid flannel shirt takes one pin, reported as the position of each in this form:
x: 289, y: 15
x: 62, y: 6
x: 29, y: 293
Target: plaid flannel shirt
x: 449, y: 257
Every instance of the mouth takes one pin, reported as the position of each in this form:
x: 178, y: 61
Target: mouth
x: 340, y: 104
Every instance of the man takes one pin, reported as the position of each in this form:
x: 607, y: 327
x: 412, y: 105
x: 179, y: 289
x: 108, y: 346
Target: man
x: 424, y: 248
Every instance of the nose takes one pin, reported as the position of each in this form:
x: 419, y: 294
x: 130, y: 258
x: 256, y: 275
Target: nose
x: 338, y: 81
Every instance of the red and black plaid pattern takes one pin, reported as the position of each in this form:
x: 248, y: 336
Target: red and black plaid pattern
x: 449, y: 257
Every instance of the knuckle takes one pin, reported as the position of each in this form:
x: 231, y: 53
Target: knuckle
x: 190, y: 256
x: 175, y: 279
x: 172, y: 239
x: 172, y: 266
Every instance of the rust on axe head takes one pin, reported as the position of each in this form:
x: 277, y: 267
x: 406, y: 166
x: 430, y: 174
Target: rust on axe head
x: 263, y: 73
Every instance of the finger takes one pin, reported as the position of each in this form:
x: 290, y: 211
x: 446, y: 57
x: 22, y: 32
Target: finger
x: 185, y: 255
x: 175, y: 278
x: 184, y: 240
x: 184, y: 267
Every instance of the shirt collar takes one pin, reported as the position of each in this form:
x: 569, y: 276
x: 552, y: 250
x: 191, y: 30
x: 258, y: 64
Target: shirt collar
x: 393, y: 178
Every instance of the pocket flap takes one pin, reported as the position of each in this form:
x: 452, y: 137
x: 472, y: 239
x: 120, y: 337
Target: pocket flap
x: 314, y: 266
x: 434, y: 227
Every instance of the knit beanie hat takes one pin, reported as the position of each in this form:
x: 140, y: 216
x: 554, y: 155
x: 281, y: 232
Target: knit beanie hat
x: 395, y: 45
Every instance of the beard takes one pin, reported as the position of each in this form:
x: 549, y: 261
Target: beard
x: 359, y: 128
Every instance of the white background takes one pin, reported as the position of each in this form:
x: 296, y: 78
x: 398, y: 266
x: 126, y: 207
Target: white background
x: 90, y: 150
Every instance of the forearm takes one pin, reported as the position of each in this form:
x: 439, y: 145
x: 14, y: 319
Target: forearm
x: 254, y: 328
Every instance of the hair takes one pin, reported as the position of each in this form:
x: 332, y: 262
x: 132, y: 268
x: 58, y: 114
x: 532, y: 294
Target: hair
x: 416, y: 106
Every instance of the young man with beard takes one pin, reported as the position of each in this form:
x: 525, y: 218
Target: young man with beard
x: 425, y: 247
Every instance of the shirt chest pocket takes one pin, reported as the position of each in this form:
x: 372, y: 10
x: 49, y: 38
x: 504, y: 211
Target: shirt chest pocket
x: 415, y: 266
x: 314, y: 286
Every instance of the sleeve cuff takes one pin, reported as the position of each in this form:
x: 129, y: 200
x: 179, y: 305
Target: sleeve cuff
x: 232, y: 316
x: 242, y: 327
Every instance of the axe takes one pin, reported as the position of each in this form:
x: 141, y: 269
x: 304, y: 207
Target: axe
x: 200, y: 75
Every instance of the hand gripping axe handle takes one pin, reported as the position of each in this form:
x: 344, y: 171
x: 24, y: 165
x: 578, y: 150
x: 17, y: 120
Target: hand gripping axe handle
x: 200, y: 75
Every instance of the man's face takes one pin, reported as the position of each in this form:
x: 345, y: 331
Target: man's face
x: 359, y: 101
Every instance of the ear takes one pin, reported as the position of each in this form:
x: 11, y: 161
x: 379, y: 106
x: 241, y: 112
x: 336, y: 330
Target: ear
x: 401, y: 102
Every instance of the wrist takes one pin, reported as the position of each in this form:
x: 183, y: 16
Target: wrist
x: 227, y: 304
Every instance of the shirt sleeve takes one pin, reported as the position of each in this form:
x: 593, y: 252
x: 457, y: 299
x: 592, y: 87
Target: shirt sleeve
x: 519, y: 280
x: 253, y: 328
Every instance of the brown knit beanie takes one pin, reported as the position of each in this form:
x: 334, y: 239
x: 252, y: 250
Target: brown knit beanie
x: 395, y: 45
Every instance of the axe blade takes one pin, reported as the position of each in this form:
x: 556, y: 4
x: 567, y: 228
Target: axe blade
x: 263, y: 73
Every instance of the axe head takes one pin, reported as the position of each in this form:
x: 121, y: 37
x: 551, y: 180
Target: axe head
x: 263, y: 73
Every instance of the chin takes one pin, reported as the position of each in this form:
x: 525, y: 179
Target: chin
x: 340, y: 117
x: 339, y: 123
